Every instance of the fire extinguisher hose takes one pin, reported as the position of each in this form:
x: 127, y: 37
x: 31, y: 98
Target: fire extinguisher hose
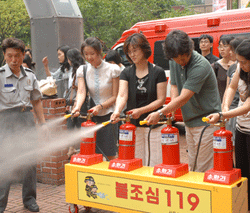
x: 150, y: 128
x: 199, y: 144
x: 102, y: 152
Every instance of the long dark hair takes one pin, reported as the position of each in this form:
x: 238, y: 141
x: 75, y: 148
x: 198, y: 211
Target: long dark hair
x: 93, y: 42
x: 243, y: 50
x: 74, y: 55
x: 65, y: 64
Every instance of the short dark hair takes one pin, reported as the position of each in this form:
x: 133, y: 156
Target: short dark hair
x: 137, y: 40
x: 13, y: 43
x: 206, y: 36
x: 177, y: 43
x: 114, y: 56
x: 93, y: 42
x: 225, y: 39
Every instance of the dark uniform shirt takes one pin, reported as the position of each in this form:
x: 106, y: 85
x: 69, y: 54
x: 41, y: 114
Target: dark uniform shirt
x: 211, y: 58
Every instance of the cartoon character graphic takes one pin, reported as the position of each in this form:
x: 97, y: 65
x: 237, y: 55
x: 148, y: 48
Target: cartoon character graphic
x: 91, y: 188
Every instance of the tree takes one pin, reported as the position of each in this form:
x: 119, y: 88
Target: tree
x: 14, y: 21
x: 107, y: 19
x: 193, y: 2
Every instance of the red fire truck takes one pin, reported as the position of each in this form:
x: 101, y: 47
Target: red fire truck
x: 234, y: 22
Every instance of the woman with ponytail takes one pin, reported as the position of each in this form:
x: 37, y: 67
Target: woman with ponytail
x: 102, y: 82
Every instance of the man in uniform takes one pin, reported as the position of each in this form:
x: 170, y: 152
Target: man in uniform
x: 19, y: 93
x: 194, y: 89
x: 206, y: 44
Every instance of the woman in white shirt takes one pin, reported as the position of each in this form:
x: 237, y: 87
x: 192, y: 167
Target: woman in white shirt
x: 102, y: 80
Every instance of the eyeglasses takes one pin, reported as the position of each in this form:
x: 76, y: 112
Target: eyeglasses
x: 204, y: 42
x: 223, y: 46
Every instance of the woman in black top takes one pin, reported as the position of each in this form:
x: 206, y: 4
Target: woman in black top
x: 221, y: 66
x: 143, y: 87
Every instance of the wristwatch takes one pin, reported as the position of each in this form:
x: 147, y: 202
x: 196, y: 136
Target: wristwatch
x: 221, y: 115
x: 160, y: 113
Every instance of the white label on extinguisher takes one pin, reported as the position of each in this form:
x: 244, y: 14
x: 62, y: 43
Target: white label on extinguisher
x: 126, y: 135
x: 220, y: 143
x: 169, y: 138
x: 88, y: 132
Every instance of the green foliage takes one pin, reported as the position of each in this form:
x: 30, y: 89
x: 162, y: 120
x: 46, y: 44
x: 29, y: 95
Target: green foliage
x: 108, y: 19
x: 235, y: 4
x: 193, y: 2
x: 14, y: 21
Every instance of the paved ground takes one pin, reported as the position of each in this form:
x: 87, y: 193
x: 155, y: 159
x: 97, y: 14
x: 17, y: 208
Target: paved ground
x: 51, y: 199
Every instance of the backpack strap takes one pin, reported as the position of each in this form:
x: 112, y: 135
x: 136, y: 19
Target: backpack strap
x: 84, y: 76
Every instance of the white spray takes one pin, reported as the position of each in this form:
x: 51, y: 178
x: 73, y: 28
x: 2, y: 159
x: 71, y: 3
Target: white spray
x: 28, y: 148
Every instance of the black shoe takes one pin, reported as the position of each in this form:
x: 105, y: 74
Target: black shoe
x: 32, y: 207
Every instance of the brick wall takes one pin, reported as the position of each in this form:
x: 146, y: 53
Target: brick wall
x: 50, y: 169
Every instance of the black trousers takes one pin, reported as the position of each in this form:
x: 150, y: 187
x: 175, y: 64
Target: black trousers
x: 17, y: 160
x: 242, y: 156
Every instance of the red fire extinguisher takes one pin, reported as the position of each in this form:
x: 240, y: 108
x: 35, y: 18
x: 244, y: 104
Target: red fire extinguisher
x: 126, y: 160
x: 87, y: 155
x: 170, y: 144
x: 223, y: 171
x: 127, y: 140
x: 89, y: 140
x: 171, y: 166
x: 223, y: 149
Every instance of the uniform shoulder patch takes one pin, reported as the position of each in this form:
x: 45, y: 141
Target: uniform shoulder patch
x: 28, y: 69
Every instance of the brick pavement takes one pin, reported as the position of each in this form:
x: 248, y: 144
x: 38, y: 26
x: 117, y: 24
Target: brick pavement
x: 51, y: 198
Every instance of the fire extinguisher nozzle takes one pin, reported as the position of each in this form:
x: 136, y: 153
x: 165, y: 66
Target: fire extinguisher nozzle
x: 205, y: 119
x: 143, y: 122
x: 67, y: 116
x: 106, y: 123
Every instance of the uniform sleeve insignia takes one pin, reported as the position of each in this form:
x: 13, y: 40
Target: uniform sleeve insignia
x: 29, y: 70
